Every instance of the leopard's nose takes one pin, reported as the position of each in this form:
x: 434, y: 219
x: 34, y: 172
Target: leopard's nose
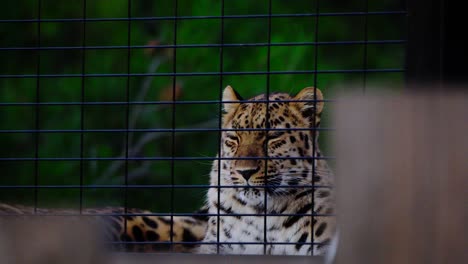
x: 246, y: 174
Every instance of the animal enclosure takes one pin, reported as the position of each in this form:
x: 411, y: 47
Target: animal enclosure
x: 120, y: 104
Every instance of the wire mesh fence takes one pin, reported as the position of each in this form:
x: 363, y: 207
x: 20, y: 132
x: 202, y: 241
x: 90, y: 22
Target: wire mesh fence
x: 121, y: 104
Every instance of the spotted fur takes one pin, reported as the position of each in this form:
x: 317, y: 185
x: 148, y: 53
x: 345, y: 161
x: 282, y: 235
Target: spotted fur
x: 137, y: 231
x: 280, y: 127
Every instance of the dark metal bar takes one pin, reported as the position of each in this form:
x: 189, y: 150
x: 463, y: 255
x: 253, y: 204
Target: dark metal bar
x: 389, y: 70
x: 150, y: 130
x: 316, y: 39
x: 267, y: 125
x: 144, y: 103
x: 37, y: 108
x: 173, y: 121
x: 153, y: 186
x: 379, y: 13
x: 232, y: 259
x: 174, y: 214
x: 212, y: 45
x: 157, y: 158
x: 210, y: 243
x: 366, y: 42
x: 127, y: 114
x: 220, y: 122
x: 82, y: 112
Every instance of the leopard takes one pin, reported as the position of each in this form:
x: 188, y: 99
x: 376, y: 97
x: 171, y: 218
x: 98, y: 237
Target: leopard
x: 128, y: 230
x: 272, y: 187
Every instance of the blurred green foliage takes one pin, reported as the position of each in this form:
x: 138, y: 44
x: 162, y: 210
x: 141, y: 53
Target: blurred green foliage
x: 119, y: 33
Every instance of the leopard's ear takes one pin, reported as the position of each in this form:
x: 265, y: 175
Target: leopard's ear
x: 311, y: 101
x: 230, y: 99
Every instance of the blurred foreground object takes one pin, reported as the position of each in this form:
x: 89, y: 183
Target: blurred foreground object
x: 49, y: 240
x: 402, y: 178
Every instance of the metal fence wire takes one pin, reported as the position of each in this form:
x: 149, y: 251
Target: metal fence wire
x: 120, y: 104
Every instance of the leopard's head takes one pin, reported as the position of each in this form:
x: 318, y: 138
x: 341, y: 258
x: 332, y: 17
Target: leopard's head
x: 267, y: 143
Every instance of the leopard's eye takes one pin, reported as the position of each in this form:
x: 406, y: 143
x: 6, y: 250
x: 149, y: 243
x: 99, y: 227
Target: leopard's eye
x: 230, y: 143
x: 231, y: 140
x: 274, y: 135
x: 232, y: 137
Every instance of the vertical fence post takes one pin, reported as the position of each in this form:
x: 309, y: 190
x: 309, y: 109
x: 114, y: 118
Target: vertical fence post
x: 424, y: 51
x: 436, y: 49
x: 401, y: 178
